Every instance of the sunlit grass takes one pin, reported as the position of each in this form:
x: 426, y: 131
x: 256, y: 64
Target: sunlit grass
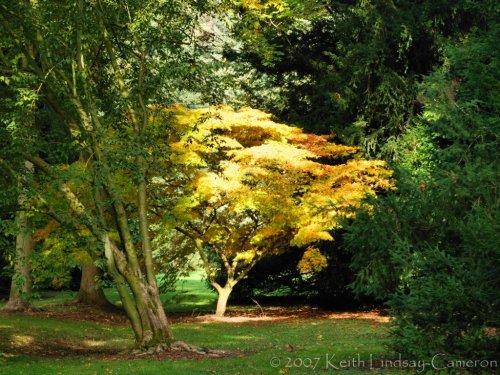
x: 257, y: 342
x: 192, y: 295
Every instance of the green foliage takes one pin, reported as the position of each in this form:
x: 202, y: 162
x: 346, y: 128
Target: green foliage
x: 431, y: 248
x: 450, y: 304
x: 351, y: 67
x: 174, y: 259
x: 59, y: 250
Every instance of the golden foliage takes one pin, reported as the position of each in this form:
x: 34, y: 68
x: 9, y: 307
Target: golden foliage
x: 312, y: 261
x: 310, y: 233
x: 252, y: 186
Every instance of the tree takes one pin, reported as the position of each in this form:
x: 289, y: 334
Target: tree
x: 98, y: 68
x: 430, y: 250
x: 20, y: 289
x: 248, y: 187
x: 17, y: 177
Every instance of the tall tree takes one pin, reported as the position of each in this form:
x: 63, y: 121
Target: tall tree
x: 20, y: 289
x: 18, y: 108
x: 99, y: 67
x: 431, y: 249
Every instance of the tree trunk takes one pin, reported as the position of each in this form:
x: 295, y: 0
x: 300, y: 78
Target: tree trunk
x: 144, y: 308
x: 148, y: 317
x: 224, y: 294
x: 89, y: 292
x: 159, y: 333
x: 20, y: 291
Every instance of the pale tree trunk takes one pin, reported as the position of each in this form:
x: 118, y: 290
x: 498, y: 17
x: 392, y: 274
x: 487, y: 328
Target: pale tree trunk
x: 224, y: 294
x: 90, y: 293
x: 233, y: 277
x: 233, y: 274
x: 20, y: 291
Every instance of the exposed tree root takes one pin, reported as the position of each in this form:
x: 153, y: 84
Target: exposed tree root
x: 181, y: 346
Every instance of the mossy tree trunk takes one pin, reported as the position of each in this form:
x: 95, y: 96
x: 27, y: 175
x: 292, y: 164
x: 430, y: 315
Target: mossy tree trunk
x: 134, y: 280
x: 20, y: 290
x: 143, y: 306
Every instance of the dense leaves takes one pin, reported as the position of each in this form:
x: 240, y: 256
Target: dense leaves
x: 432, y: 248
x: 250, y: 187
x: 351, y: 67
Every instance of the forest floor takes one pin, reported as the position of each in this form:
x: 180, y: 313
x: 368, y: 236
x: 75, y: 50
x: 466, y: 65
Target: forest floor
x: 58, y: 338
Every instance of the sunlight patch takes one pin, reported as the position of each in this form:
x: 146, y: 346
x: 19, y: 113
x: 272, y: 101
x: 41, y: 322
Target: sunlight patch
x: 22, y: 340
x: 93, y: 343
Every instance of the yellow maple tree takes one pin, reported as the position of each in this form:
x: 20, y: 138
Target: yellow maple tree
x: 248, y: 187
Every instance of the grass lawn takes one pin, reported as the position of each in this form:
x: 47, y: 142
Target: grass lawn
x: 60, y: 340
